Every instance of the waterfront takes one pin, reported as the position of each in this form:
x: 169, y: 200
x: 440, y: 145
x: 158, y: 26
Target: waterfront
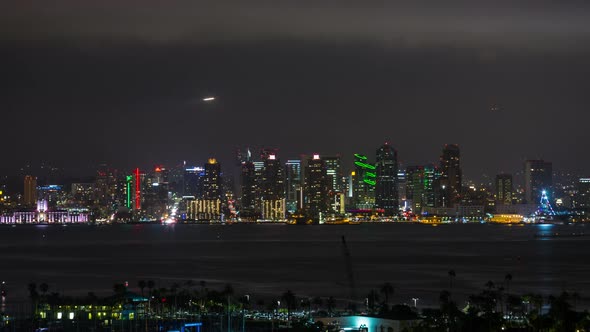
x: 266, y: 260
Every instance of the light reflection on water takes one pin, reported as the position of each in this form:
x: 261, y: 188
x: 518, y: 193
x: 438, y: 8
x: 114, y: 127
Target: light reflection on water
x: 268, y: 259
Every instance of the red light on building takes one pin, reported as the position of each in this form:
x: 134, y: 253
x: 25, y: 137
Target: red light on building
x: 137, y: 190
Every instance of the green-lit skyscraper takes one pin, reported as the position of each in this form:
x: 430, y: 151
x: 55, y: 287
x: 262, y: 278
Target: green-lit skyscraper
x: 421, y: 187
x: 364, y: 183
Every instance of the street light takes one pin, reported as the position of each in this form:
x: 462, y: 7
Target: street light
x: 415, y: 299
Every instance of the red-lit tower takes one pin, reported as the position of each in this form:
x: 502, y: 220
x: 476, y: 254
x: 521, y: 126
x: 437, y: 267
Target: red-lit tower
x: 137, y: 189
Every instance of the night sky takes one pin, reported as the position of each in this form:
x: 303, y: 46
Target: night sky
x: 121, y: 81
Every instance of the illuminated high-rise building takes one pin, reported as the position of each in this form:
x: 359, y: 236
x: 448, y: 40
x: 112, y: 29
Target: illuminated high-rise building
x: 421, y: 187
x: 386, y: 186
x: 414, y: 180
x: 193, y: 181
x: 155, y: 194
x: 138, y: 178
x: 582, y: 197
x: 273, y: 183
x: 316, y: 187
x: 293, y: 185
x: 272, y: 187
x: 107, y: 193
x: 431, y: 184
x: 30, y: 192
x: 504, y: 189
x: 364, y: 183
x: 212, y: 183
x: 161, y: 176
x: 336, y: 184
x: 401, y: 184
x: 334, y: 173
x: 451, y: 175
x: 250, y: 198
x: 208, y: 204
x: 538, y: 176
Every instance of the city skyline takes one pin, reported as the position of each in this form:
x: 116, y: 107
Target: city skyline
x: 229, y: 165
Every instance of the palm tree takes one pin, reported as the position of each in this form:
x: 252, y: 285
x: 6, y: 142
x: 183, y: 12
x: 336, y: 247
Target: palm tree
x: 575, y: 298
x: 452, y: 276
x: 32, y: 287
x: 290, y: 301
x: 173, y: 290
x: 189, y: 284
x: 150, y: 285
x: 228, y: 290
x: 44, y: 288
x: 387, y: 290
x: 372, y: 299
x: 202, y: 283
x: 318, y: 302
x: 141, y: 284
x: 538, y: 302
x: 331, y: 304
x: 490, y: 285
x: 507, y: 279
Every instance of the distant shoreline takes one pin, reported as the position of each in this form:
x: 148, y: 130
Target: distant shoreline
x: 288, y: 224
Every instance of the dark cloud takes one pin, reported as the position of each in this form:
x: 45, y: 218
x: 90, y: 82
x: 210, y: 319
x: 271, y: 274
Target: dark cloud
x: 524, y: 24
x: 121, y: 81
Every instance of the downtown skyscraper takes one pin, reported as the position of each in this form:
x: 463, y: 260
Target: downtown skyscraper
x: 316, y: 188
x: 212, y: 183
x: 293, y: 185
x: 386, y: 186
x: 451, y: 175
x: 504, y: 189
x: 209, y: 203
x: 30, y: 197
x: 272, y: 188
x: 422, y: 183
x: 250, y: 191
x: 364, y: 180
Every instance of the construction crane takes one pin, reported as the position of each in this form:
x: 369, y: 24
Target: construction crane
x: 348, y: 262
